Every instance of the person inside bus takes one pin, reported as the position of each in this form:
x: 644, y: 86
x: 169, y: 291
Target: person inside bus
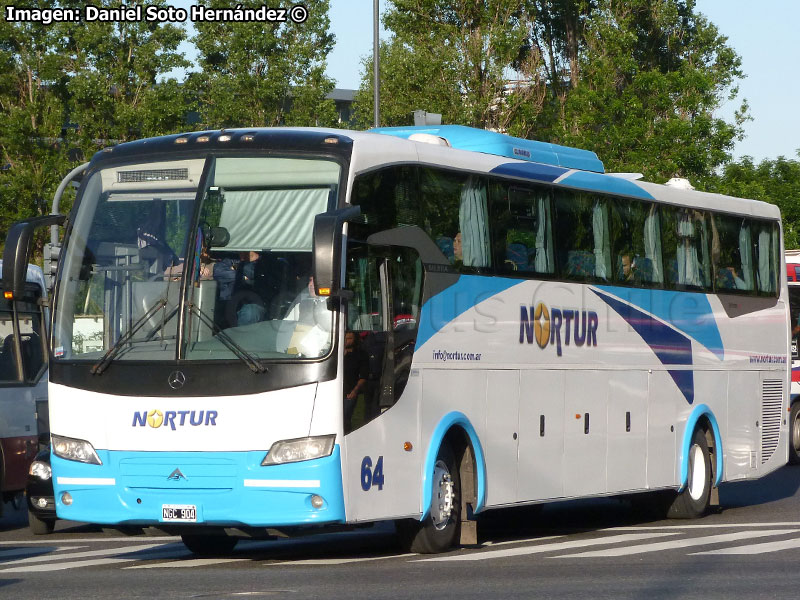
x: 458, y: 249
x: 354, y: 375
x: 728, y: 278
x: 239, y: 285
x: 627, y: 268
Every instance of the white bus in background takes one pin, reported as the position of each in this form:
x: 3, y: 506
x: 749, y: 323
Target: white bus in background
x: 532, y: 330
x: 23, y: 382
x: 793, y: 281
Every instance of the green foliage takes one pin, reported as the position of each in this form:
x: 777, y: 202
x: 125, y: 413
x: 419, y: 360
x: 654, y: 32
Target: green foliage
x: 264, y: 74
x: 775, y: 181
x: 651, y: 75
x: 32, y: 154
x: 636, y: 81
x: 117, y: 88
x: 455, y: 58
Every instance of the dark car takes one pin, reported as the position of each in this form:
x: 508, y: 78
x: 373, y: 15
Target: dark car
x: 40, y: 496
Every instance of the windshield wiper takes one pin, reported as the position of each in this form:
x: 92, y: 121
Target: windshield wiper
x: 102, y: 364
x: 247, y: 358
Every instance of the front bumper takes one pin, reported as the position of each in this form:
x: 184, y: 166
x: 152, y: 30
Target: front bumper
x: 229, y: 489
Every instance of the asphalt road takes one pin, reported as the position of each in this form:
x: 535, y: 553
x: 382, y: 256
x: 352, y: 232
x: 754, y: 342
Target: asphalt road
x: 604, y: 548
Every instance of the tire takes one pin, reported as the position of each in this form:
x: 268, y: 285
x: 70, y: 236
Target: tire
x: 439, y: 531
x: 40, y: 526
x: 794, y: 434
x: 694, y: 500
x: 209, y: 544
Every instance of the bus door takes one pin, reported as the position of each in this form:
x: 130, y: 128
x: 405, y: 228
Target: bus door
x: 382, y: 316
x: 23, y: 386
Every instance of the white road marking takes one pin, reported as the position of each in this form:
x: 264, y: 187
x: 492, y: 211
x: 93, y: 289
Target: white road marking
x: 187, y: 564
x: 707, y: 526
x: 22, y: 552
x: 97, y: 540
x: 682, y: 543
x: 536, y: 539
x: 86, y: 554
x: 60, y: 566
x: 336, y: 561
x: 553, y: 547
x: 761, y: 548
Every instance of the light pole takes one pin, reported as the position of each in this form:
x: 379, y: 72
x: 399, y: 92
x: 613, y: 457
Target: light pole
x: 376, y: 94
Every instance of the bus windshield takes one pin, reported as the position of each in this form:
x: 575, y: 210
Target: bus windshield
x: 242, y: 258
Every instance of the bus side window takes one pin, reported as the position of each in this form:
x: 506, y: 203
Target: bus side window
x: 522, y: 229
x: 732, y: 254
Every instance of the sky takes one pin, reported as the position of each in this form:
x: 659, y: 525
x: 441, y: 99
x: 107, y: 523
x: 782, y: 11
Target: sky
x: 764, y: 34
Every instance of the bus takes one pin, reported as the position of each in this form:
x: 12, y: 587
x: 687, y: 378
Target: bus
x: 793, y: 280
x: 23, y: 382
x: 291, y: 329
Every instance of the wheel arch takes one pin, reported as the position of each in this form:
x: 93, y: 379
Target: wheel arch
x: 703, y: 417
x: 456, y: 429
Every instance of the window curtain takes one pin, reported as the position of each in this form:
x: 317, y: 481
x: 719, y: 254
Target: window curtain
x: 688, y: 268
x: 602, y: 244
x: 766, y: 282
x: 473, y: 224
x: 746, y: 254
x: 652, y: 243
x: 543, y: 261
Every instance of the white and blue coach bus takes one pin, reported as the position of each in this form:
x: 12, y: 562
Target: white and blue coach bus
x: 520, y: 326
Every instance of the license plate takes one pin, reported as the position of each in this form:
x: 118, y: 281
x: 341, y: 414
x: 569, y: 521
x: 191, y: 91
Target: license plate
x: 179, y: 513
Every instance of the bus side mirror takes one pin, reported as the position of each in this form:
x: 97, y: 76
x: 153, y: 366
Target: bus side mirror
x: 326, y: 252
x: 18, y: 249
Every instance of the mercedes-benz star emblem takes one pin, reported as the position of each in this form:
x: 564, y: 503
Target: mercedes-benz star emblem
x: 176, y: 380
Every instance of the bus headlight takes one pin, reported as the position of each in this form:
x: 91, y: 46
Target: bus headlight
x: 72, y: 449
x: 289, y: 451
x: 40, y: 470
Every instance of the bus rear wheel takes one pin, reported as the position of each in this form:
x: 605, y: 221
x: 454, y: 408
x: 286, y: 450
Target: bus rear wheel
x: 794, y: 434
x: 694, y: 500
x: 438, y: 532
x: 209, y: 544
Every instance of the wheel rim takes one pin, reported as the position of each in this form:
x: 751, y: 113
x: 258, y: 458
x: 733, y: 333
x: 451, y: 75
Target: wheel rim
x: 697, y: 473
x: 443, y: 491
x: 796, y: 432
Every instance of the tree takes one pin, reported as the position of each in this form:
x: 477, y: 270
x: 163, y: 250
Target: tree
x: 469, y: 61
x: 33, y: 154
x: 652, y: 74
x: 637, y: 81
x: 118, y: 89
x: 775, y: 181
x: 256, y: 74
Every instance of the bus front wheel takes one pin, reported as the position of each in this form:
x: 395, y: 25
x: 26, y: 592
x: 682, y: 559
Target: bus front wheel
x: 794, y: 434
x: 694, y: 500
x: 438, y: 532
x: 209, y: 544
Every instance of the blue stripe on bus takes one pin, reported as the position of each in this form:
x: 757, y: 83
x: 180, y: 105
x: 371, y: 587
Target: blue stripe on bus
x: 688, y: 312
x: 604, y: 183
x: 535, y: 171
x: 457, y: 299
x: 670, y: 346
